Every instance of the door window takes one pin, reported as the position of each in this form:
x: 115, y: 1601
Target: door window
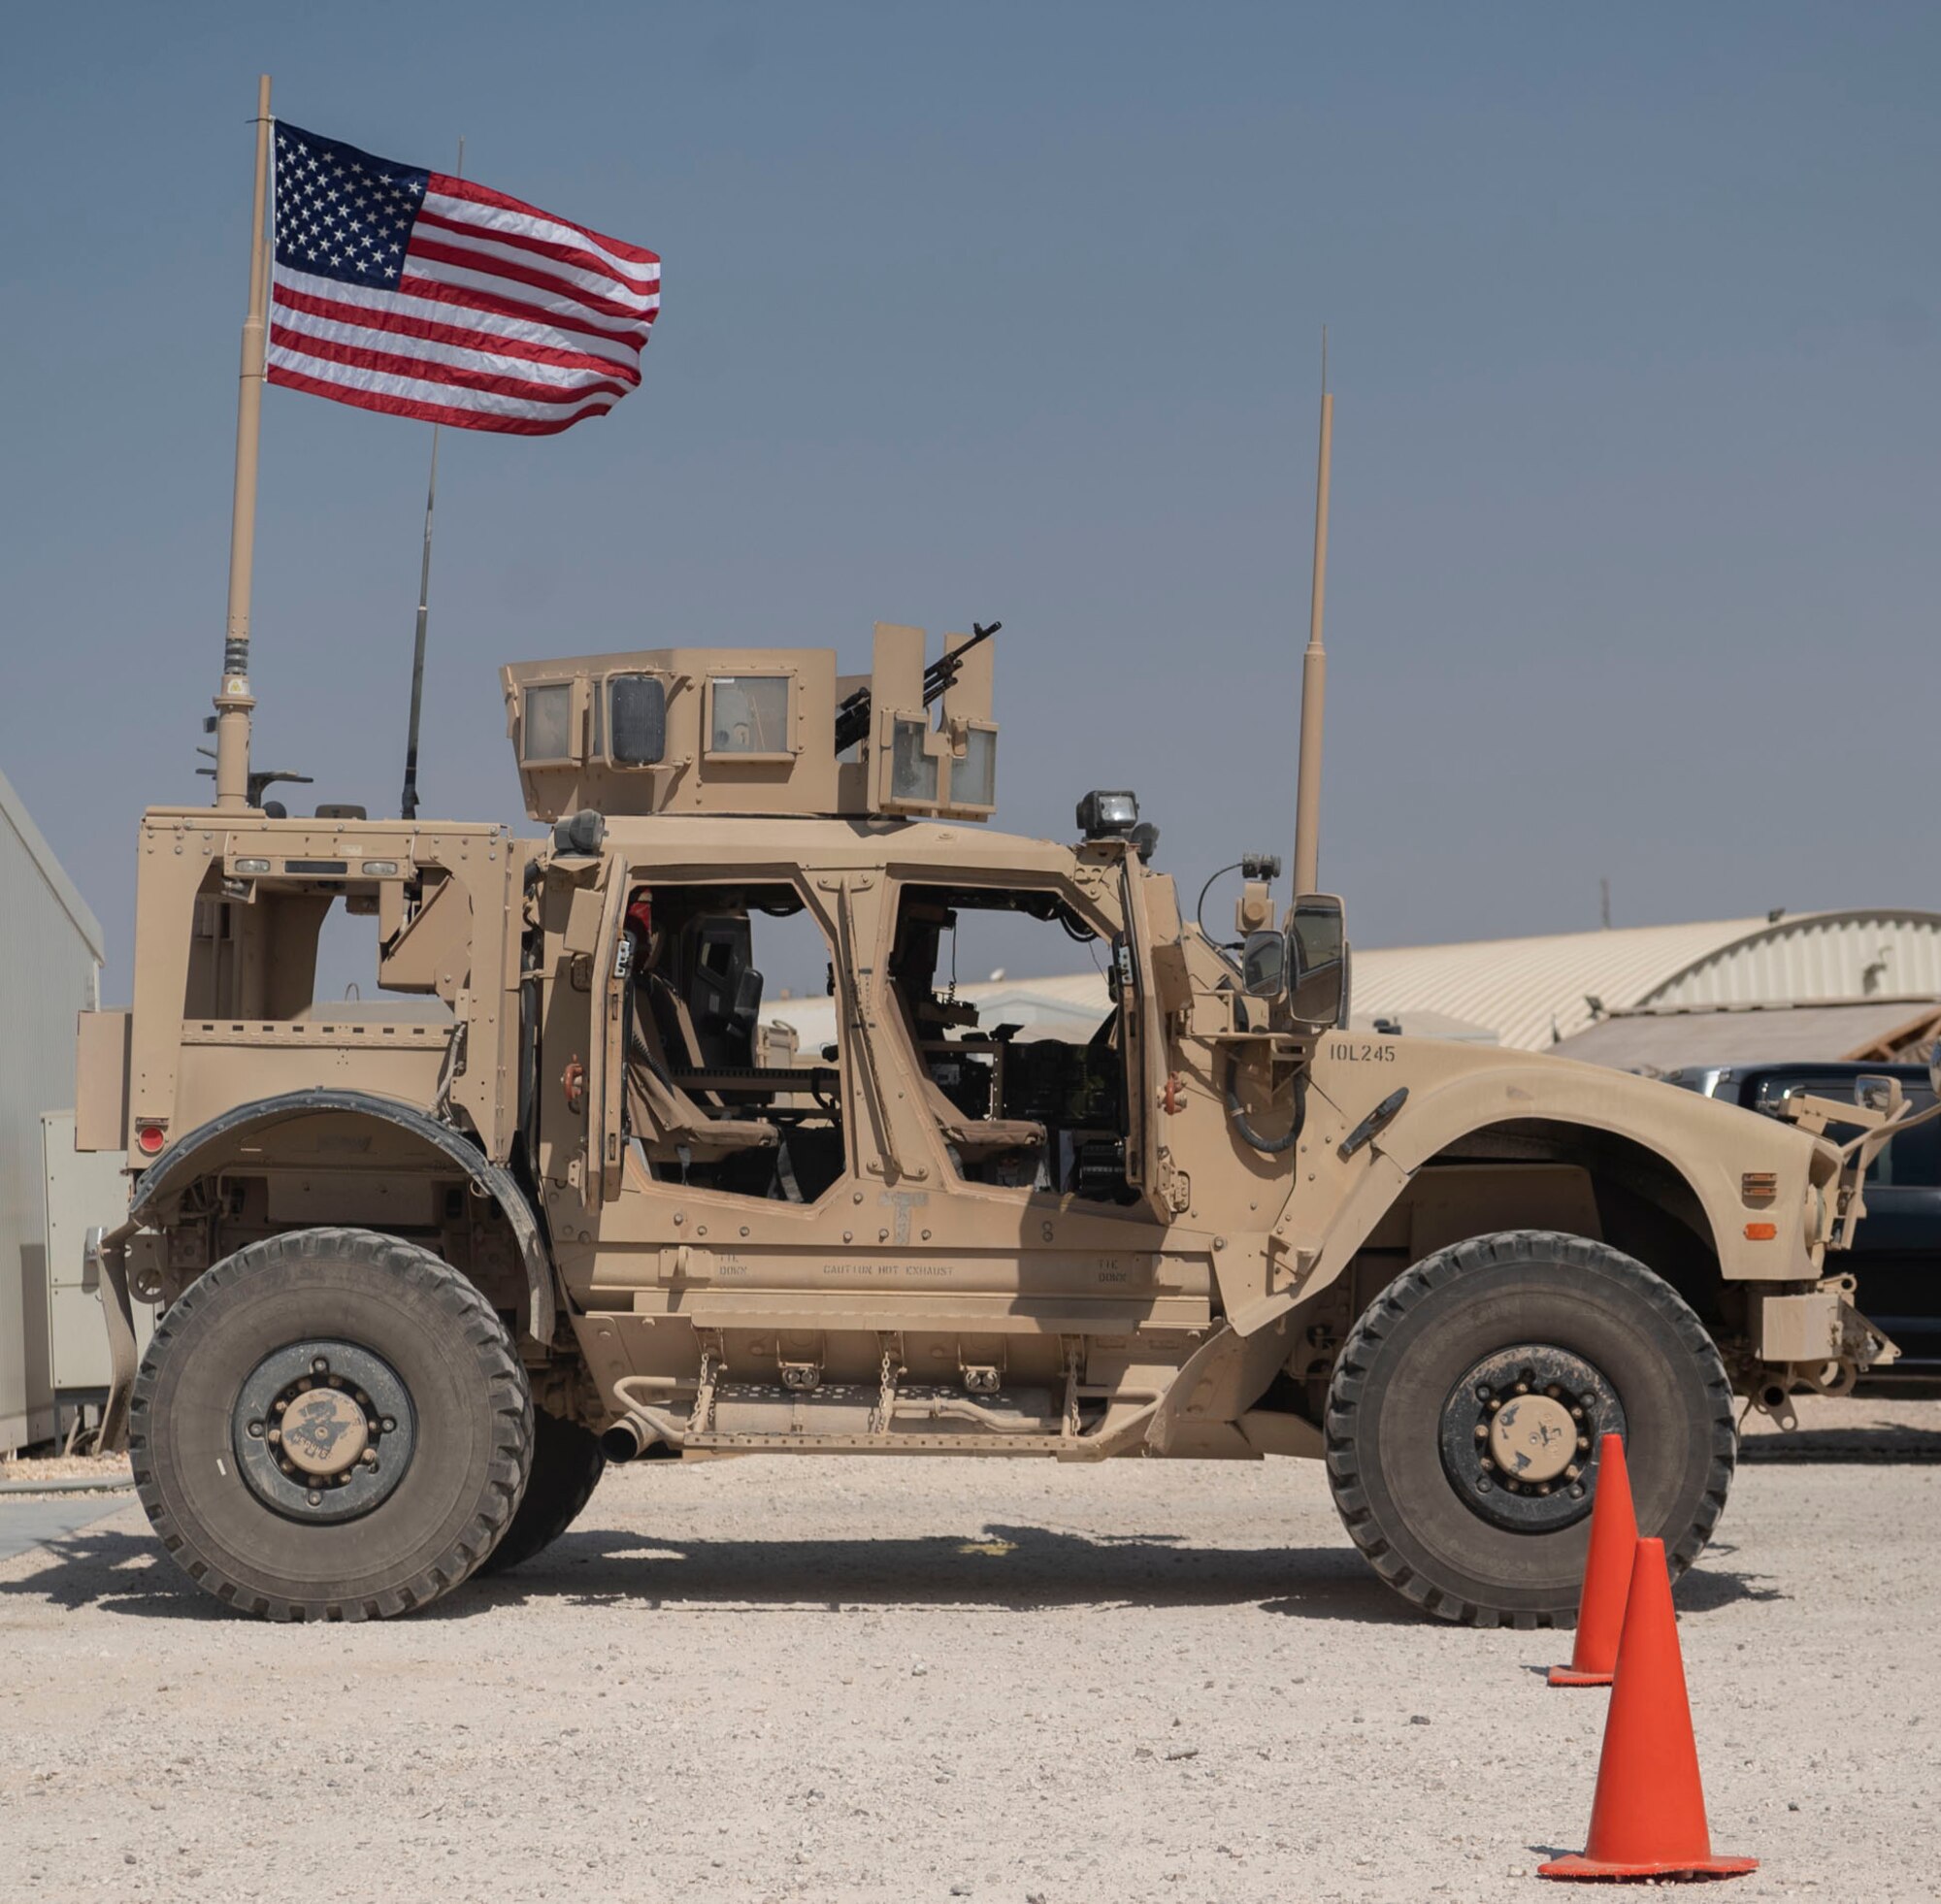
x: 1026, y: 1084
x: 722, y: 1091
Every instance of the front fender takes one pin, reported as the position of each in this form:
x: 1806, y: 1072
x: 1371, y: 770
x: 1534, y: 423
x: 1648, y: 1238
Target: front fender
x: 1708, y: 1145
x: 211, y: 1145
x: 1455, y: 1091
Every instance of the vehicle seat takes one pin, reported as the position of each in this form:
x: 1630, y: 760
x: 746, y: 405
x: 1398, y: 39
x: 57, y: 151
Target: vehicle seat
x: 974, y: 1139
x: 668, y: 1121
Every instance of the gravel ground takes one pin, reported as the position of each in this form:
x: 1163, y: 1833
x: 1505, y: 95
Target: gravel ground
x: 922, y: 1680
x: 66, y: 1467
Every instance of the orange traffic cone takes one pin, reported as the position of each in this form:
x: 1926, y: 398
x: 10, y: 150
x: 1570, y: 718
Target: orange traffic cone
x: 1607, y: 1573
x: 1648, y: 1819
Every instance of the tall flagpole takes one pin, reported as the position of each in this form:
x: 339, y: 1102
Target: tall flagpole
x: 1314, y: 666
x: 234, y: 703
x: 407, y: 806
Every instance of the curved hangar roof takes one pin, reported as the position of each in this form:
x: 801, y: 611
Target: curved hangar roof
x: 1536, y: 993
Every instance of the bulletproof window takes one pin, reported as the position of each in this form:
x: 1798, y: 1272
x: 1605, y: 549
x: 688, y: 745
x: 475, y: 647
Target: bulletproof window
x: 973, y: 779
x: 913, y: 772
x: 546, y: 731
x: 748, y: 715
x: 636, y: 719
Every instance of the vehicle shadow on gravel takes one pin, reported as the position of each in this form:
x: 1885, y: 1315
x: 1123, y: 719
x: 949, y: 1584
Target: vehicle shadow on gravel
x: 1882, y: 1442
x: 1021, y: 1569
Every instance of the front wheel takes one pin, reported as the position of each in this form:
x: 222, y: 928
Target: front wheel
x: 330, y: 1425
x: 1465, y: 1416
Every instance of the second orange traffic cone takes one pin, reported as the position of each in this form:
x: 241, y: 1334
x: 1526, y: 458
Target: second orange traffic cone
x: 1648, y: 1819
x: 1607, y: 1573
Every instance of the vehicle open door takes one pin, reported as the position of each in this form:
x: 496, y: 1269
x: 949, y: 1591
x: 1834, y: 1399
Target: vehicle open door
x: 607, y: 1038
x: 1149, y: 1167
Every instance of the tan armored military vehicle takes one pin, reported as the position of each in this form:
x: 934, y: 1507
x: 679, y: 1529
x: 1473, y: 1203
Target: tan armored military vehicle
x: 421, y: 1273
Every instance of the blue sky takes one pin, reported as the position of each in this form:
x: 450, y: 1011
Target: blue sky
x: 1013, y: 310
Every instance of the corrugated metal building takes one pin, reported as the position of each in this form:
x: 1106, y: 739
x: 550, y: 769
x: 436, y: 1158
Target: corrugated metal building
x: 1860, y: 983
x: 51, y: 952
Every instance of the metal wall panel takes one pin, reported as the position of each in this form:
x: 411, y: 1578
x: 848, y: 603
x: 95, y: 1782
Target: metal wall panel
x: 85, y: 1188
x: 50, y: 950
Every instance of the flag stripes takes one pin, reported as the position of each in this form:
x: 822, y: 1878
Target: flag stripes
x: 417, y: 294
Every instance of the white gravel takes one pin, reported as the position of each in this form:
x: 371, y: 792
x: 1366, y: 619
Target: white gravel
x: 920, y: 1679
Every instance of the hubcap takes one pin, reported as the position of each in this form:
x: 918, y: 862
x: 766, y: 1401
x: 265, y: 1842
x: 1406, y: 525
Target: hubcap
x: 324, y: 1431
x: 1520, y: 1435
x: 1533, y: 1438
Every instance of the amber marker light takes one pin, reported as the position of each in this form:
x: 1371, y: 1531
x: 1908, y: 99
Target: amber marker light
x: 1761, y: 1233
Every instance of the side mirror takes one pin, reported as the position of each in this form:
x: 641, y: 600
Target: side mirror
x: 1878, y: 1093
x: 1318, y: 952
x: 1263, y: 965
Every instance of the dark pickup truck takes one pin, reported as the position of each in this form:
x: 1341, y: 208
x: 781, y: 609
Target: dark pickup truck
x: 1896, y: 1252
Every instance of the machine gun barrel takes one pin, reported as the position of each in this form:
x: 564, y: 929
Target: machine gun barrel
x: 853, y: 717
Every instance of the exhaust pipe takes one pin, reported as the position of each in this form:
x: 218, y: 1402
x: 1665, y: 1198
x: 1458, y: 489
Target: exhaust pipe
x: 627, y: 1440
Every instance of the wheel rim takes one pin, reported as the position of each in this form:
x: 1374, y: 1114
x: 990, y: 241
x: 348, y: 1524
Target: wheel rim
x: 324, y: 1431
x: 1521, y: 1432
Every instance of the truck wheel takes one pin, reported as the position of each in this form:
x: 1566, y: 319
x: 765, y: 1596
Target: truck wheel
x: 330, y: 1425
x: 566, y: 1466
x: 1465, y: 1416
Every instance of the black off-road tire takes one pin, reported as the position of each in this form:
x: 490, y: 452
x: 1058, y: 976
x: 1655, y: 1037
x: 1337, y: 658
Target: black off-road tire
x: 1443, y: 1316
x: 566, y: 1466
x: 468, y: 1464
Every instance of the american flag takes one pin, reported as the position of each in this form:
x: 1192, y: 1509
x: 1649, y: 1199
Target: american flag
x: 424, y: 295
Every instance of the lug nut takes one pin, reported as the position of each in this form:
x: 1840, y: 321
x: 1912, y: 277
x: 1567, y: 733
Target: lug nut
x: 315, y: 1499
x: 1583, y: 1444
x: 1571, y: 1472
x: 1495, y: 1404
x: 1482, y: 1392
x: 390, y: 1425
x: 256, y: 1430
x: 370, y: 1457
x: 319, y: 1366
x: 1577, y: 1493
x: 1522, y: 1388
x: 1482, y: 1485
x: 1482, y: 1433
x: 1487, y: 1462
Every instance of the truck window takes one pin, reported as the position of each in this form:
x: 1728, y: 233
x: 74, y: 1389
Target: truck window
x: 1033, y: 1106
x: 1911, y: 1162
x: 717, y: 1095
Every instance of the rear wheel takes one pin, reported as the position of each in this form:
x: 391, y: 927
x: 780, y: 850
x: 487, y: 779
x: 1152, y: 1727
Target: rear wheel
x: 566, y: 1466
x: 1465, y: 1416
x: 330, y: 1425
